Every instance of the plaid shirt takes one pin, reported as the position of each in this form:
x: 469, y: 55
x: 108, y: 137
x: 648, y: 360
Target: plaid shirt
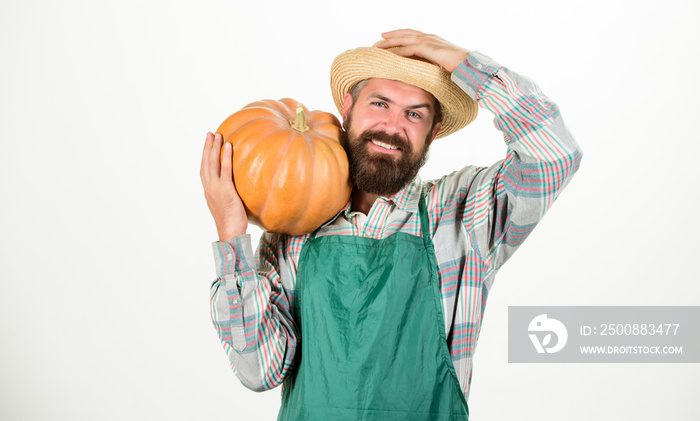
x: 478, y: 217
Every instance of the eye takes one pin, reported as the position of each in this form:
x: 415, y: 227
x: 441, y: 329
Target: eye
x: 379, y: 104
x: 413, y: 114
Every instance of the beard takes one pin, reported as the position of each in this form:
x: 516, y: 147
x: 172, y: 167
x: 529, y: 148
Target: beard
x: 378, y: 173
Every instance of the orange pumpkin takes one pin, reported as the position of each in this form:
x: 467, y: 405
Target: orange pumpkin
x: 289, y: 165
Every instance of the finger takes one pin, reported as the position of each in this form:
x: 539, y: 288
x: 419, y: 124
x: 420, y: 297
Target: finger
x: 214, y: 157
x: 204, y: 168
x: 405, y: 51
x: 401, y: 33
x: 226, y: 171
x: 216, y: 148
x: 398, y: 41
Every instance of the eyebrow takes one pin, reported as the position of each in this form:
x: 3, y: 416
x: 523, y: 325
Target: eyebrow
x: 410, y: 107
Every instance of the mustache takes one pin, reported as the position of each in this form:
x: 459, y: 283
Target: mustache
x: 384, y: 137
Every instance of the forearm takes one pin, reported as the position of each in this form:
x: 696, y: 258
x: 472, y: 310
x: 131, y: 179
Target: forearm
x: 508, y: 199
x: 530, y: 122
x: 251, y: 314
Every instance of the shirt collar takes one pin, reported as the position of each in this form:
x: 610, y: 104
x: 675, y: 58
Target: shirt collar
x: 405, y: 199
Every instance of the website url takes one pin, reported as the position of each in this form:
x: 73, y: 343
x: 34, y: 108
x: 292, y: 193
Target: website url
x: 631, y: 349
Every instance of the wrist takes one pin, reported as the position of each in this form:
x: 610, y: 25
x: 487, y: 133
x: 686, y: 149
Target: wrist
x: 458, y: 58
x: 226, y: 233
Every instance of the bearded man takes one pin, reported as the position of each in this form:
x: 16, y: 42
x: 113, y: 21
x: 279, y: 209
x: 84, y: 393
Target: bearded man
x: 376, y: 314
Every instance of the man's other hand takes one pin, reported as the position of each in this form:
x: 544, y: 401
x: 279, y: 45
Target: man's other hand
x: 410, y: 43
x: 222, y: 198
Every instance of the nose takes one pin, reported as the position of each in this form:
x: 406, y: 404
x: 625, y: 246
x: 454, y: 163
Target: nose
x: 392, y: 123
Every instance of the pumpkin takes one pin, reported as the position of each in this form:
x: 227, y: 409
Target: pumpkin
x: 289, y: 165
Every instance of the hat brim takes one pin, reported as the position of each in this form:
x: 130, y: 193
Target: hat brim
x: 349, y: 68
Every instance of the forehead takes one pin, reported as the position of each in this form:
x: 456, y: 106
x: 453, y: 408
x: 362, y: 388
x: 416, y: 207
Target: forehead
x: 398, y: 91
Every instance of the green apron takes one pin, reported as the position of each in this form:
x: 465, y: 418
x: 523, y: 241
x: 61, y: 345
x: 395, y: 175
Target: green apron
x: 373, y: 343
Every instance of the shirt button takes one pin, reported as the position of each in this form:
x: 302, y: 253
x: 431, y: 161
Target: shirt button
x: 479, y: 66
x: 229, y: 256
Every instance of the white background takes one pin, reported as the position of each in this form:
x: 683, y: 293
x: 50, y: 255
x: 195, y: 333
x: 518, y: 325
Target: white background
x: 105, y: 260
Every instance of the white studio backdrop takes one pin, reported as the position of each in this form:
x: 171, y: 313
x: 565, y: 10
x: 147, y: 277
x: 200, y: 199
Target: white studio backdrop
x: 105, y: 235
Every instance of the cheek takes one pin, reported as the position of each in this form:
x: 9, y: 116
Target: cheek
x: 359, y: 122
x: 418, y: 138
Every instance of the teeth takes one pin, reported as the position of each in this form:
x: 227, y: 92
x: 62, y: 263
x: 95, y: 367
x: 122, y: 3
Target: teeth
x: 383, y: 145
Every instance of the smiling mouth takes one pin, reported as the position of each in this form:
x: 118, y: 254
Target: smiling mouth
x: 384, y: 145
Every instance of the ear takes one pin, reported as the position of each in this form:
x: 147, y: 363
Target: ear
x: 436, y: 130
x: 347, y: 105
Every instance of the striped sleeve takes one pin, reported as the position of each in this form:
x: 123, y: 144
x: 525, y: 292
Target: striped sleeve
x: 250, y: 313
x: 506, y: 201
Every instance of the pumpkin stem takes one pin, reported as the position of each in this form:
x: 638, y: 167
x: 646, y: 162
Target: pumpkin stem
x: 299, y: 124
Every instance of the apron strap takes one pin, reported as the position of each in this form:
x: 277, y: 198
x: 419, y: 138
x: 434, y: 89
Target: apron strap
x: 423, y: 213
x: 313, y: 235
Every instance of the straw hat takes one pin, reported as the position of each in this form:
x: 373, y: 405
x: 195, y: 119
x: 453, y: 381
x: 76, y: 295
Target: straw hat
x: 458, y: 108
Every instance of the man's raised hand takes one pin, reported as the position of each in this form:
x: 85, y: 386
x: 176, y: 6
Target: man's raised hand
x: 409, y: 42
